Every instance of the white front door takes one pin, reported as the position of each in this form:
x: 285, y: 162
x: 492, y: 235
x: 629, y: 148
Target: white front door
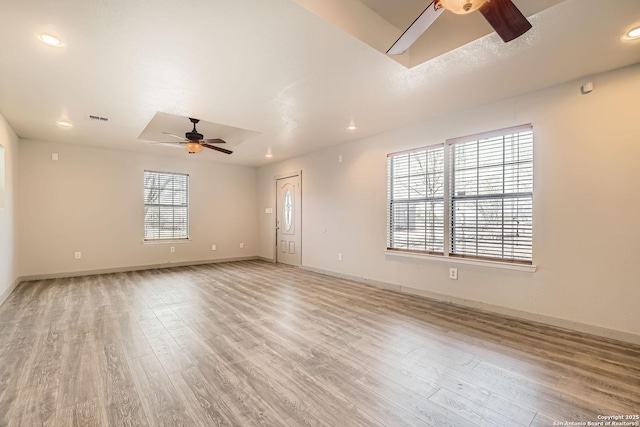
x: 288, y: 220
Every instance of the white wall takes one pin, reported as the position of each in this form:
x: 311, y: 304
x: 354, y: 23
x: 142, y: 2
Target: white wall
x: 586, y: 207
x: 8, y: 210
x: 90, y: 200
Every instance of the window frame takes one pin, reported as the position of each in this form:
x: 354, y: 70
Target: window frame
x: 447, y: 256
x: 187, y: 205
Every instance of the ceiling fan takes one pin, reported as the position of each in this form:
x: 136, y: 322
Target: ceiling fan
x: 505, y: 18
x: 194, y: 141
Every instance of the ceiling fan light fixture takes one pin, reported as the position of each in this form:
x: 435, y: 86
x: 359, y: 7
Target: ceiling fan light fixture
x: 461, y: 7
x: 193, y: 147
x: 50, y: 40
x: 632, y: 34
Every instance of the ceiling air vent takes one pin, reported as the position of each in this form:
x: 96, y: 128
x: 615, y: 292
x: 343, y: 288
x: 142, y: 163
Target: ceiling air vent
x: 103, y: 119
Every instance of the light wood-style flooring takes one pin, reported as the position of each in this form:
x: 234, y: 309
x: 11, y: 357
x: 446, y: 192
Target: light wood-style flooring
x: 252, y: 343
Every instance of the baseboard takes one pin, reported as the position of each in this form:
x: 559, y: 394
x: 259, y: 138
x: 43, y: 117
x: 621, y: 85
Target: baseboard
x: 7, y: 292
x: 132, y: 268
x: 504, y: 311
x: 265, y: 259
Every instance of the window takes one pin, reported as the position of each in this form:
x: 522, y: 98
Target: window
x: 166, y: 206
x: 416, y: 200
x: 488, y: 197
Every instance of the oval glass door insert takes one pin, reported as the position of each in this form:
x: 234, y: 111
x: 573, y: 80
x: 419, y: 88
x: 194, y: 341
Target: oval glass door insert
x: 288, y: 210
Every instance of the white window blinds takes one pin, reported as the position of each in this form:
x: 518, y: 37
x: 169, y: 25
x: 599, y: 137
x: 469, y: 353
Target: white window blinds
x: 416, y: 200
x: 469, y: 197
x: 166, y: 206
x: 491, y: 191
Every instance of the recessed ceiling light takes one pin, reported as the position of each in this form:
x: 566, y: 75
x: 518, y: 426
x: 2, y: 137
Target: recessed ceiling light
x: 632, y: 35
x: 268, y: 155
x: 64, y: 124
x: 50, y: 40
x: 352, y: 127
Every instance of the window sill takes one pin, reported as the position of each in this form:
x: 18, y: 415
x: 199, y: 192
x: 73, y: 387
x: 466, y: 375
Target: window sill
x: 165, y: 242
x: 454, y: 260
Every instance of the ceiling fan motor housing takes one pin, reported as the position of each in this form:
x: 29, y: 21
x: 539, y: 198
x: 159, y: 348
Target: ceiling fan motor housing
x: 194, y: 136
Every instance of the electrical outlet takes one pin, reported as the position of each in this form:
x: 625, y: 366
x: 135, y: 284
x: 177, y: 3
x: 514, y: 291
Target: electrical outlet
x: 172, y: 249
x: 78, y: 255
x: 214, y: 247
x: 453, y: 273
x: 241, y: 245
x: 339, y: 256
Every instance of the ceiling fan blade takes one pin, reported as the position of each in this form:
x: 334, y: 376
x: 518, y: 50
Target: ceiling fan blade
x: 175, y: 136
x: 416, y: 29
x: 213, y: 147
x: 213, y: 141
x: 166, y: 143
x: 505, y: 18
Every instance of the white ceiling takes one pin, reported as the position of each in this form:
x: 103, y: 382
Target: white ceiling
x: 270, y: 66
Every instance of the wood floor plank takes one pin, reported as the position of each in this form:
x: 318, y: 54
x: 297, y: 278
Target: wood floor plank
x: 259, y: 344
x: 35, y: 405
x: 116, y: 389
x: 375, y: 405
x: 157, y: 394
x: 81, y: 414
x: 542, y: 420
x: 526, y: 391
x: 133, y: 341
x: 77, y: 378
x: 15, y: 365
x: 482, y: 397
x: 470, y: 410
x: 431, y: 413
x: 203, y: 405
